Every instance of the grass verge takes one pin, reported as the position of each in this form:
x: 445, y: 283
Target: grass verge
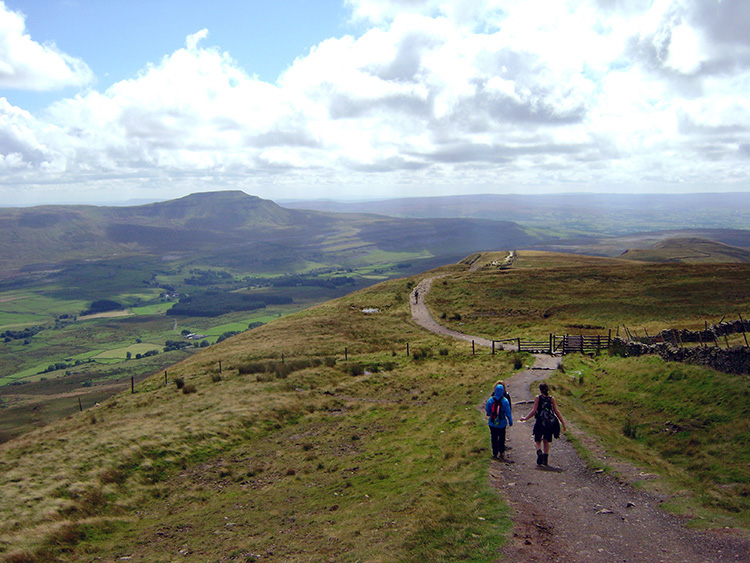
x: 684, y: 422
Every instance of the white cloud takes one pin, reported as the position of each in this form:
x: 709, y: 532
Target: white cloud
x: 482, y: 95
x: 27, y: 65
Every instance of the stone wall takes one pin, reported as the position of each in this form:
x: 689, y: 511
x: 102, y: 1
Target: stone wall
x: 710, y: 334
x: 735, y: 360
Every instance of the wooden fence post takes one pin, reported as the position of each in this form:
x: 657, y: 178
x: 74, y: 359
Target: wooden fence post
x: 493, y: 347
x: 132, y: 384
x: 472, y: 348
x: 743, y: 330
x: 80, y: 406
x: 519, y: 344
x: 346, y: 354
x: 407, y: 348
x: 219, y: 366
x: 165, y: 378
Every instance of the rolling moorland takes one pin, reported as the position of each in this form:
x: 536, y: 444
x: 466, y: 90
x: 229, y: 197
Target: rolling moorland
x: 94, y: 297
x: 596, y: 224
x: 316, y: 437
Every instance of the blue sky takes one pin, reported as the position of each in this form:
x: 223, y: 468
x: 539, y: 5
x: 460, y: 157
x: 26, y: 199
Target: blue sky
x: 116, y: 38
x: 104, y: 101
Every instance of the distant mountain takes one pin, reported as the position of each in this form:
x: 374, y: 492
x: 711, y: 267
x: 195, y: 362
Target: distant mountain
x: 233, y: 227
x: 689, y: 250
x: 610, y: 214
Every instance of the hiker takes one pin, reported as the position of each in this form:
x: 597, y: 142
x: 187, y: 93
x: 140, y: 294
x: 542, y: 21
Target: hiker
x: 499, y: 418
x: 416, y: 296
x: 548, y: 419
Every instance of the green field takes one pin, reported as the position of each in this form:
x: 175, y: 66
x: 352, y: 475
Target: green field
x: 93, y: 350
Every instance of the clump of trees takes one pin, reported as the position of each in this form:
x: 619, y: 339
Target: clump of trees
x: 103, y: 306
x: 216, y: 303
x: 65, y: 365
x: 28, y: 332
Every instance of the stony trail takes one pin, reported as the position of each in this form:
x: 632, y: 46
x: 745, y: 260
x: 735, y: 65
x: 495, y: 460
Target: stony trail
x: 568, y: 513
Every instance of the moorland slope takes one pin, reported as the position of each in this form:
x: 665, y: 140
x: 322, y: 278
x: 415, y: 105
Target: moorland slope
x: 316, y: 437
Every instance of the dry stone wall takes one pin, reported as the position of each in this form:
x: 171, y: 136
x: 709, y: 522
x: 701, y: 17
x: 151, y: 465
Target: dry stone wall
x: 735, y: 360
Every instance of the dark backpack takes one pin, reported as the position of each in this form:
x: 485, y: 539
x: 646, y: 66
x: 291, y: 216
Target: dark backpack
x: 545, y: 414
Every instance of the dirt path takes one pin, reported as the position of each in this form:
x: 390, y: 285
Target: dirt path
x: 569, y: 513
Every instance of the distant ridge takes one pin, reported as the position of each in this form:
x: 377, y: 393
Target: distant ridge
x: 608, y: 213
x: 235, y: 228
x: 691, y: 250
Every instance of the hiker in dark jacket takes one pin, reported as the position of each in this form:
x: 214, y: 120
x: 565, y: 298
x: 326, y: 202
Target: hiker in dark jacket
x: 500, y: 417
x: 548, y: 419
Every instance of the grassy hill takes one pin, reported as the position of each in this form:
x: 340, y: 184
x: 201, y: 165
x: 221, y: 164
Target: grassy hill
x: 690, y: 250
x: 315, y: 437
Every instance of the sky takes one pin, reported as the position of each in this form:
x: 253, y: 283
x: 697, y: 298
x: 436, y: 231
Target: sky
x: 121, y: 100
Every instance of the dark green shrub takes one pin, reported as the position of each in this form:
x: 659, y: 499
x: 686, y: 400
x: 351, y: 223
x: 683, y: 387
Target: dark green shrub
x: 355, y: 369
x: 630, y: 428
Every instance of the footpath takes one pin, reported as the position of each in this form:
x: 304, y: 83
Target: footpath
x: 566, y: 512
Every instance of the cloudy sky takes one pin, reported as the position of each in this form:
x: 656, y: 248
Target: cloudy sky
x: 361, y: 99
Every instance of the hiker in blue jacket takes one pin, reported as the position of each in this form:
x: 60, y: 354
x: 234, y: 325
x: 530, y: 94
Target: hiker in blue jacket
x: 500, y: 417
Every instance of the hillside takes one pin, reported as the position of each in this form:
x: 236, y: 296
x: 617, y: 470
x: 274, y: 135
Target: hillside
x: 316, y: 437
x: 230, y: 228
x: 689, y: 250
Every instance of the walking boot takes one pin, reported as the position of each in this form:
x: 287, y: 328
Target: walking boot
x: 539, y: 457
x: 545, y: 457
